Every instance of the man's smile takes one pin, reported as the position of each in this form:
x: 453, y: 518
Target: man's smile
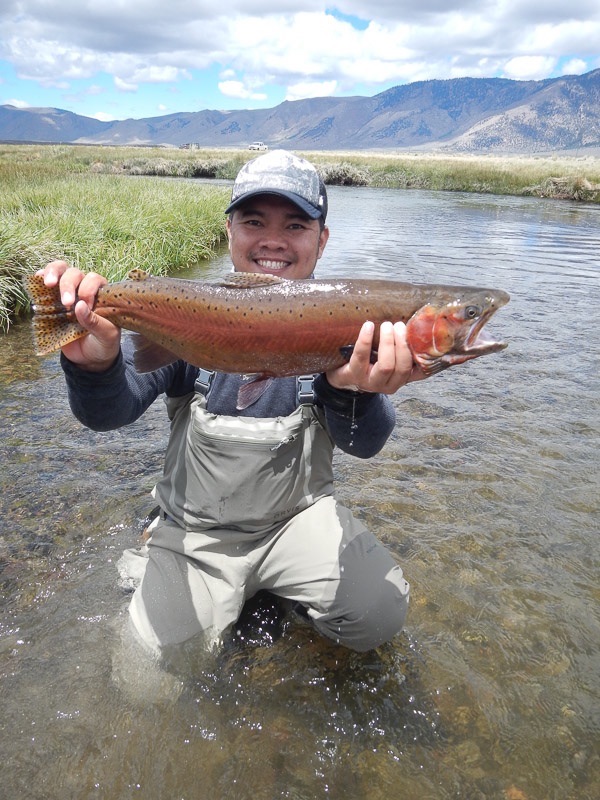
x: 273, y: 266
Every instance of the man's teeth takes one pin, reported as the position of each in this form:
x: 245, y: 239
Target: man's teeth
x: 272, y: 264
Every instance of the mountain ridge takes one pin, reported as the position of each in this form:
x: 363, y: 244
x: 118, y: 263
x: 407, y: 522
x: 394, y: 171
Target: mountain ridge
x: 490, y: 115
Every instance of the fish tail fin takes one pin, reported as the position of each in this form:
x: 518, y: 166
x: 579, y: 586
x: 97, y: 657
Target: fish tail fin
x: 54, y: 326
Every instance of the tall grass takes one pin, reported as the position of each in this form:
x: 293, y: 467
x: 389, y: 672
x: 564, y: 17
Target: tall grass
x: 516, y: 175
x: 103, y: 223
x: 110, y: 224
x: 566, y: 177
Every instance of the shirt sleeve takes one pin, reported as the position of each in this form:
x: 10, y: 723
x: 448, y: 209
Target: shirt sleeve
x: 360, y: 423
x: 108, y: 400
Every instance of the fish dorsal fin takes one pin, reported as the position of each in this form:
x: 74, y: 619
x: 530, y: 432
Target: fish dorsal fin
x: 249, y: 280
x: 138, y: 275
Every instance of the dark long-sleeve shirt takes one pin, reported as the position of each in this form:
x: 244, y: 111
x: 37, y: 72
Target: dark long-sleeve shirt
x: 359, y: 423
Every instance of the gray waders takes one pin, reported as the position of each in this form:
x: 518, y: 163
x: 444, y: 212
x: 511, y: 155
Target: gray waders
x: 247, y: 505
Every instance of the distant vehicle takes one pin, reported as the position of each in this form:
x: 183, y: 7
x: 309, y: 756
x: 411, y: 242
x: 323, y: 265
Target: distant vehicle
x: 257, y: 146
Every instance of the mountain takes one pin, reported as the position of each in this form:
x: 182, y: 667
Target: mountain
x: 45, y: 125
x: 457, y: 115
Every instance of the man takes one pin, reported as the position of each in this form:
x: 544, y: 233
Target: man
x: 246, y: 497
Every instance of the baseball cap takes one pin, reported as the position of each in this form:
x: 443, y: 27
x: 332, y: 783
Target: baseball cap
x: 281, y: 173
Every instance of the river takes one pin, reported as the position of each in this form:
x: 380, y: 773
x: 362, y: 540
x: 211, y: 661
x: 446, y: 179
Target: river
x: 488, y: 493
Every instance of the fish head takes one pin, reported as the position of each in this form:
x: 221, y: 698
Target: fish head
x: 447, y: 332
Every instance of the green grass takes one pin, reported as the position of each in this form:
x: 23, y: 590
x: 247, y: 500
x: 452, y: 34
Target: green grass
x: 104, y: 223
x: 110, y: 209
x: 111, y: 224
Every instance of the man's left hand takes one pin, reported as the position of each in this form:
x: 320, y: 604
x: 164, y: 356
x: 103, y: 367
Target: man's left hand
x: 394, y: 366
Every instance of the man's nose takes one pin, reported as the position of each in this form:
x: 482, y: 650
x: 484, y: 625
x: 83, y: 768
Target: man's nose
x: 273, y: 237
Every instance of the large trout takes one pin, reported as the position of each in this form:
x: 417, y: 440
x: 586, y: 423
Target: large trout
x: 270, y: 327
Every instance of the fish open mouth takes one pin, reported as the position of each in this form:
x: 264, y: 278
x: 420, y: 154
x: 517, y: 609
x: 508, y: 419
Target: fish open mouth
x: 478, y: 343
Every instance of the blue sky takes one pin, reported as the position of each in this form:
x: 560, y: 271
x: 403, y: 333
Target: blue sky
x: 141, y: 58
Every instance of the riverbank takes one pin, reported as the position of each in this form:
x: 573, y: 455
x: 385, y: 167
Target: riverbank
x: 64, y: 201
x: 565, y: 177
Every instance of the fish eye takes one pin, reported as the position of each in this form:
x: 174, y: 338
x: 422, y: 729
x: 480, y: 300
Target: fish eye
x: 472, y: 311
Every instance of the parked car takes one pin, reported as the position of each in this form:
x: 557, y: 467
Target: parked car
x: 257, y: 146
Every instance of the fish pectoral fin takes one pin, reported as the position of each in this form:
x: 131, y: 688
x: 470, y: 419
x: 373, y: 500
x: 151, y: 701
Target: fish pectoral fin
x: 148, y: 355
x: 348, y: 349
x: 248, y: 393
x: 248, y: 280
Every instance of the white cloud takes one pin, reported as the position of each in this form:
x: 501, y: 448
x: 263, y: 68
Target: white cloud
x: 16, y: 103
x: 573, y: 35
x: 124, y: 86
x: 300, y: 91
x: 298, y: 45
x: 103, y: 117
x: 238, y: 89
x: 576, y: 66
x: 529, y: 67
x: 154, y: 73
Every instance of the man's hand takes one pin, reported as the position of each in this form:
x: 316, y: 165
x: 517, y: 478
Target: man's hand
x: 98, y: 351
x: 394, y: 366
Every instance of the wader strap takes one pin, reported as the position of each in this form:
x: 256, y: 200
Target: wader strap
x: 306, y: 394
x: 203, y: 381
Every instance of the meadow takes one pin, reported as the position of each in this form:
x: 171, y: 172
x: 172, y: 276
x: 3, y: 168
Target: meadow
x: 111, y: 209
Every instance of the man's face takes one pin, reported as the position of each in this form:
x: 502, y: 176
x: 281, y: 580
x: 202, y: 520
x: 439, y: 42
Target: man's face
x: 271, y: 235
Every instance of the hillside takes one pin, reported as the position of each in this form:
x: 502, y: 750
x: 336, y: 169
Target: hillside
x: 489, y: 115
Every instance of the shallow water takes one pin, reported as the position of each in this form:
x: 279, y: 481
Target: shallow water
x: 488, y: 492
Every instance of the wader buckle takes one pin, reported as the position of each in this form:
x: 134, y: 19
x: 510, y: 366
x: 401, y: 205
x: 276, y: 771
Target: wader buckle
x: 203, y: 381
x: 306, y: 394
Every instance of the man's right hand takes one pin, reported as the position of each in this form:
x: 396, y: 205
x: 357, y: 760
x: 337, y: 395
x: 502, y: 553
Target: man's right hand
x: 97, y: 351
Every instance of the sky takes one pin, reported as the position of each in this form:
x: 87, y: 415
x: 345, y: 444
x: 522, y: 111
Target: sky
x: 119, y: 59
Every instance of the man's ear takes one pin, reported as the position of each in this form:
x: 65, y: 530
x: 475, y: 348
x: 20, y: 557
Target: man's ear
x: 323, y: 237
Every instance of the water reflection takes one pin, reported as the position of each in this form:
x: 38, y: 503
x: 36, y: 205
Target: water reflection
x: 487, y: 492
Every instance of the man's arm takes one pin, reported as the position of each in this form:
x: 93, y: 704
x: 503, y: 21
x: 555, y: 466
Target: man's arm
x: 360, y: 423
x: 359, y: 414
x: 115, y: 397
